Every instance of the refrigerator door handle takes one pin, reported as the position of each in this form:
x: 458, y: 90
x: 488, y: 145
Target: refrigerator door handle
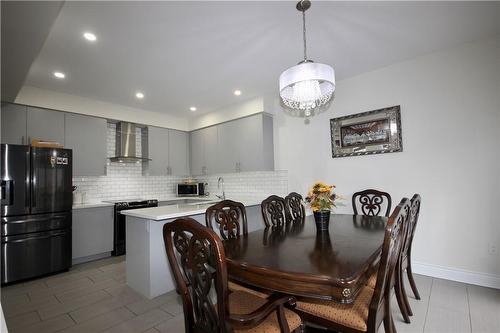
x: 55, y: 217
x: 7, y: 192
x: 45, y: 236
x: 27, y: 181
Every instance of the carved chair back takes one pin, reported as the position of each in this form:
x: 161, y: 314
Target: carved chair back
x: 294, y: 207
x: 371, y: 202
x: 274, y: 211
x: 412, y: 223
x: 229, y: 217
x: 391, y: 251
x: 196, y: 256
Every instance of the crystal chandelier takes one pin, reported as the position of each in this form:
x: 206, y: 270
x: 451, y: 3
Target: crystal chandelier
x: 308, y: 87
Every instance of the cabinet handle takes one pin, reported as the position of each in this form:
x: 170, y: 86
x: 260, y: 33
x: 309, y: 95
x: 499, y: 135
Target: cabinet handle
x: 22, y: 140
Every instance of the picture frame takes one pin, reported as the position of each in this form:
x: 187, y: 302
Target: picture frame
x: 372, y: 132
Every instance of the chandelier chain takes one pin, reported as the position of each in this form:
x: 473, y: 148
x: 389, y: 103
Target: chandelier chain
x: 304, y: 33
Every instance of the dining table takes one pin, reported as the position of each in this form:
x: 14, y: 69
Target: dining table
x: 296, y: 259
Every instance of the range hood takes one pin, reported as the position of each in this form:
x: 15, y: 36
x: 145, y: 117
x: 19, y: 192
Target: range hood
x: 125, y: 148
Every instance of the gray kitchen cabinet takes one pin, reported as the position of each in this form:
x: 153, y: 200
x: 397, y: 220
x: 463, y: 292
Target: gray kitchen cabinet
x: 178, y: 152
x: 210, y: 137
x: 197, y: 152
x: 246, y: 144
x: 204, y: 151
x: 14, y: 124
x: 87, y: 137
x: 229, y: 146
x: 44, y: 124
x: 256, y: 143
x: 92, y: 232
x: 239, y: 145
x: 158, y: 144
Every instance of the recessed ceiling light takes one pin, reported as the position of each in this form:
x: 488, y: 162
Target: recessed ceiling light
x: 139, y: 95
x: 90, y: 36
x: 193, y: 108
x: 59, y: 75
x: 237, y: 92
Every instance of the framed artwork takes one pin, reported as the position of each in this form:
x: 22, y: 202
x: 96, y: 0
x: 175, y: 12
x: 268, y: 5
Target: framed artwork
x: 372, y: 132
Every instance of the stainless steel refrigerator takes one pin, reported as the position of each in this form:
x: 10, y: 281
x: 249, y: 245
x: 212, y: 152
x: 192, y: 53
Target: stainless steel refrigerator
x: 36, y: 201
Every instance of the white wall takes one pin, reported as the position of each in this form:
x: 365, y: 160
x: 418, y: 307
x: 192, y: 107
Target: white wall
x: 71, y: 103
x: 450, y: 109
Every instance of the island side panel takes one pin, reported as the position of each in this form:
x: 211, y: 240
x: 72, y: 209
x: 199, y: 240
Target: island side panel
x: 254, y: 218
x: 137, y: 261
x: 148, y: 270
x: 160, y: 277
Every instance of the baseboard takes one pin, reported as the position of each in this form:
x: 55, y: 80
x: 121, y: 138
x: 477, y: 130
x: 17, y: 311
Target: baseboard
x: 477, y: 278
x: 81, y: 260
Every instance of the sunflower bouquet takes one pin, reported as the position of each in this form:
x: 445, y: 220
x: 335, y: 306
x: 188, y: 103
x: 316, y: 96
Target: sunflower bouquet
x: 321, y: 197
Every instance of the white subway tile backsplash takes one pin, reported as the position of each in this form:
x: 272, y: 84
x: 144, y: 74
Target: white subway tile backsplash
x: 125, y: 181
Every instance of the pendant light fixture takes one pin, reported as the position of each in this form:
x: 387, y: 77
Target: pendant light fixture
x: 307, y: 87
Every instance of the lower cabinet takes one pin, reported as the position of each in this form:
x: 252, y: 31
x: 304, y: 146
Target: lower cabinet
x: 92, y: 233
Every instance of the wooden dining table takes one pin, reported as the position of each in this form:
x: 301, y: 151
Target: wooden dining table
x: 297, y: 260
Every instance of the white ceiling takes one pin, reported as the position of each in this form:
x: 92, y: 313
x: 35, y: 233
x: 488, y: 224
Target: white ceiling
x: 196, y: 53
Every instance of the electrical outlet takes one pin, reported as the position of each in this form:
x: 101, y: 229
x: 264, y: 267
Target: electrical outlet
x: 493, y: 250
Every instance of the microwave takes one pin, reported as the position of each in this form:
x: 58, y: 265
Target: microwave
x: 191, y: 189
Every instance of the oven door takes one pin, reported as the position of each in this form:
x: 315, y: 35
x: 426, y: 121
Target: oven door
x: 187, y: 190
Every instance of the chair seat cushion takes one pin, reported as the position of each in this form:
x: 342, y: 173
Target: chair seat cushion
x: 238, y: 287
x: 354, y: 315
x: 372, y: 281
x: 241, y: 302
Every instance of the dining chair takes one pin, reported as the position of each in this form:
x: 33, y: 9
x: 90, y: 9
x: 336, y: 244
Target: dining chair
x: 294, y: 207
x: 230, y: 219
x: 371, y: 307
x: 371, y: 202
x: 274, y: 211
x: 196, y: 256
x: 405, y: 261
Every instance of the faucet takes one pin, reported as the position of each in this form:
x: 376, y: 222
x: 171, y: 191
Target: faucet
x: 219, y: 182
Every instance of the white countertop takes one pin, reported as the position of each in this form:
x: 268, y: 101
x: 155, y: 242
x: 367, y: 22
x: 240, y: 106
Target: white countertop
x: 175, y: 211
x: 95, y: 204
x: 92, y: 205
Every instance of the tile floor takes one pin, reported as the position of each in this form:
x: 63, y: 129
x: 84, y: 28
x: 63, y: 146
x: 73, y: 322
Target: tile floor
x: 93, y: 297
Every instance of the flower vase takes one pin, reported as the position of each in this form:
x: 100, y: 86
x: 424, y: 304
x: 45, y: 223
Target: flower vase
x: 322, y: 219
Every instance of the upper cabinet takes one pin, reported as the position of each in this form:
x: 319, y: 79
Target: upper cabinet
x: 158, y: 151
x: 44, y: 124
x: 197, y: 152
x: 178, y: 152
x: 21, y: 124
x: 168, y: 151
x: 256, y: 148
x: 87, y: 137
x: 14, y: 124
x: 240, y: 145
x: 203, y: 148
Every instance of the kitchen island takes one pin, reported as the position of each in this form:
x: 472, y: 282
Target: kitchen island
x: 147, y: 266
